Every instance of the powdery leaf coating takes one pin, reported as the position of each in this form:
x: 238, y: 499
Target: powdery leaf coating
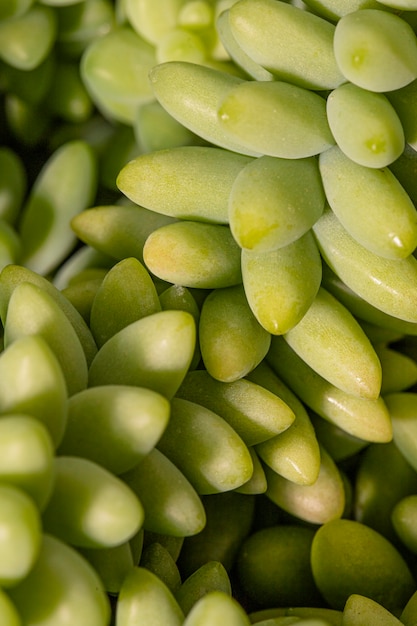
x: 392, y: 328
x: 379, y: 138
x: 281, y: 284
x: 387, y: 284
x: 371, y: 204
x: 235, y: 51
x: 232, y: 341
x: 276, y: 118
x: 331, y: 11
x: 194, y: 254
x: 268, y: 209
x: 116, y: 230
x: 334, y: 345
x: 295, y: 453
x: 364, y: 418
x: 376, y: 50
x: 318, y: 503
x: 280, y: 38
x: 192, y: 93
x: 254, y: 412
x: 189, y: 182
